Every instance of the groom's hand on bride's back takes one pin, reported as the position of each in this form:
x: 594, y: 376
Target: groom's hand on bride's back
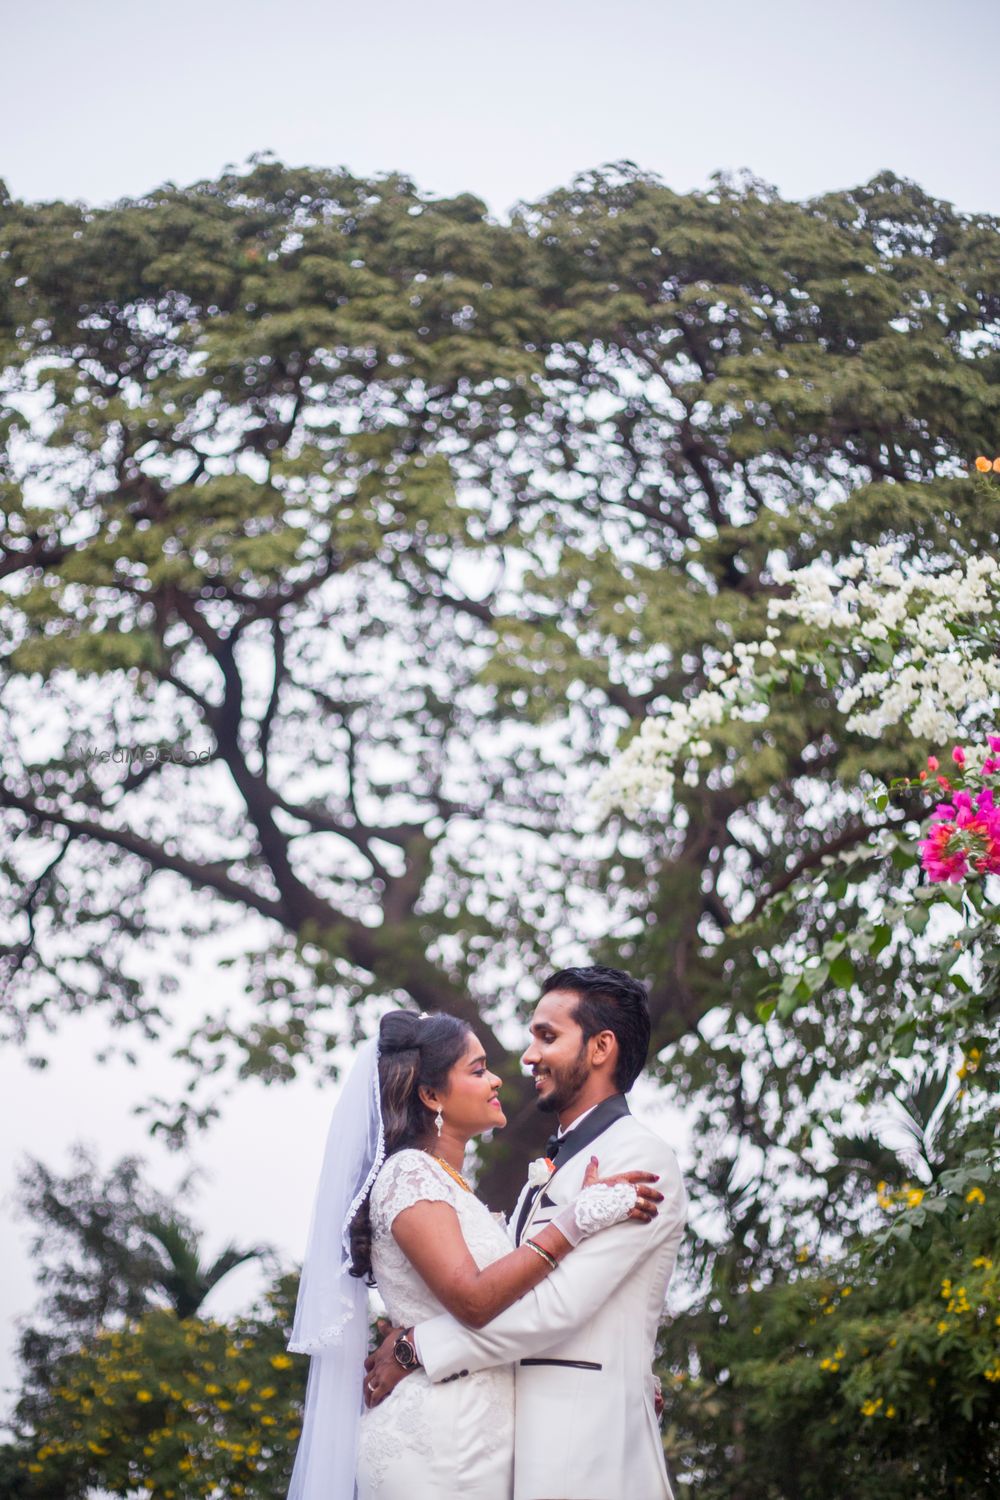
x: 383, y: 1372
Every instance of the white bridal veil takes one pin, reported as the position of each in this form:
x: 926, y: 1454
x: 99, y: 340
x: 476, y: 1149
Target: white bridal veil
x: 331, y: 1316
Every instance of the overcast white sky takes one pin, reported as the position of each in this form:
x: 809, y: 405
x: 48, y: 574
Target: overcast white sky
x: 107, y: 99
x: 112, y: 97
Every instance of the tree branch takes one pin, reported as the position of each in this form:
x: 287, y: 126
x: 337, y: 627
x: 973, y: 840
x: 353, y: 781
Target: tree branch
x: 845, y: 840
x: 200, y: 876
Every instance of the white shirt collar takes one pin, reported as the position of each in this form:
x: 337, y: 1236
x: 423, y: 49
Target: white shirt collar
x: 578, y: 1121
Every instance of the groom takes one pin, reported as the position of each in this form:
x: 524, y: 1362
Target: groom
x: 582, y: 1342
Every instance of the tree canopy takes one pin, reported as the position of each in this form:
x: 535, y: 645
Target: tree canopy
x: 362, y: 526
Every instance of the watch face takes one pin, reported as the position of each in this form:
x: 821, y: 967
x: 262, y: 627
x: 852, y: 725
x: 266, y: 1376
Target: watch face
x: 404, y: 1352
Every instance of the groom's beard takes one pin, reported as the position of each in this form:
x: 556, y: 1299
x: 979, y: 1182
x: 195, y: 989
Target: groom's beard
x: 566, y: 1085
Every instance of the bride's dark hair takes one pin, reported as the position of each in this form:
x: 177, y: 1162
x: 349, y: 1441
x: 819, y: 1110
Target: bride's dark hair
x: 414, y: 1052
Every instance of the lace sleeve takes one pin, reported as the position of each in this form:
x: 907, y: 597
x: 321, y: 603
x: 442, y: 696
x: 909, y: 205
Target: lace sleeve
x: 407, y: 1177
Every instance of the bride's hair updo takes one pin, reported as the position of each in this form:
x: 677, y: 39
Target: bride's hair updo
x: 414, y: 1052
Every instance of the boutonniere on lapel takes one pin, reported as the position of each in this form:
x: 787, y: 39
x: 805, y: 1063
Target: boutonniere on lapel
x: 540, y: 1171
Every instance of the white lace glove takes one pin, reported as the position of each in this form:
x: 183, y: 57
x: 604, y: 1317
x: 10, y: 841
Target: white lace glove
x: 596, y: 1208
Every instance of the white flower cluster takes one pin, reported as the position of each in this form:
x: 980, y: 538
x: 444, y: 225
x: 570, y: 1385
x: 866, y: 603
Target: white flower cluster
x: 674, y: 742
x: 943, y: 670
x: 939, y: 669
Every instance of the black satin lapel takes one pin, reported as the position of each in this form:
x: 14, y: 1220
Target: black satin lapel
x: 596, y: 1123
x: 522, y: 1218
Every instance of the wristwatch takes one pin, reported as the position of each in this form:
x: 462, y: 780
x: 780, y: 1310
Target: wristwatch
x: 405, y: 1351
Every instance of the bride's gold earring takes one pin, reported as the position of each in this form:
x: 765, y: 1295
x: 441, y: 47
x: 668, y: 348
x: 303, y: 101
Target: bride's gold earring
x: 439, y: 1123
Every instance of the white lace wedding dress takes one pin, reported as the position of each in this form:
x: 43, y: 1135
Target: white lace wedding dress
x: 434, y: 1442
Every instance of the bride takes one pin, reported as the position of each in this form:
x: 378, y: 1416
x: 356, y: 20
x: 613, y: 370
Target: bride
x: 393, y: 1209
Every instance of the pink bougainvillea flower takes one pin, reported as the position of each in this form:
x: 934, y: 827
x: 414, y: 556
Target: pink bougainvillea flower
x: 963, y: 835
x: 944, y: 783
x: 958, y: 756
x: 932, y: 762
x: 991, y: 765
x: 939, y: 857
x: 993, y: 740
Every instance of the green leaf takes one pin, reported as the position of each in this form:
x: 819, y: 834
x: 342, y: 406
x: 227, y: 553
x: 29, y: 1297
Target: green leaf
x: 881, y: 939
x: 842, y: 972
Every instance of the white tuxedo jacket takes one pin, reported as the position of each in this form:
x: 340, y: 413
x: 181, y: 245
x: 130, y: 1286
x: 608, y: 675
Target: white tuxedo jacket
x: 582, y: 1342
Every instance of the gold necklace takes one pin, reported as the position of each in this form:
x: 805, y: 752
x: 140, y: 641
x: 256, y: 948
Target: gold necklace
x: 451, y: 1171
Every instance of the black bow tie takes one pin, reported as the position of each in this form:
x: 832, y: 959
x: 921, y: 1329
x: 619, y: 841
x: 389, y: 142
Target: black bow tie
x: 552, y: 1146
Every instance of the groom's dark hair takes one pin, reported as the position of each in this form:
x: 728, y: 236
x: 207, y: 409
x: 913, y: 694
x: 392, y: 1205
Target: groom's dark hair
x: 610, y: 1000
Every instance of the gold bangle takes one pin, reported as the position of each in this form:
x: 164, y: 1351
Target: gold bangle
x: 550, y: 1260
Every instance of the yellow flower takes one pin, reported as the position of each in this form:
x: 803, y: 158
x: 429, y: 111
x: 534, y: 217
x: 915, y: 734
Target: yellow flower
x: 213, y: 1390
x: 757, y: 1329
x: 993, y: 1373
x: 890, y: 1411
x: 281, y: 1361
x: 982, y: 1263
x: 943, y: 1327
x: 983, y: 464
x: 144, y: 1395
x: 267, y: 1392
x: 802, y: 1255
x: 914, y: 1197
x: 975, y: 1195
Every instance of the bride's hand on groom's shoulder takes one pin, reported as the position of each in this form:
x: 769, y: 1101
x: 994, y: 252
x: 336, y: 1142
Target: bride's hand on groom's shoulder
x: 647, y: 1196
